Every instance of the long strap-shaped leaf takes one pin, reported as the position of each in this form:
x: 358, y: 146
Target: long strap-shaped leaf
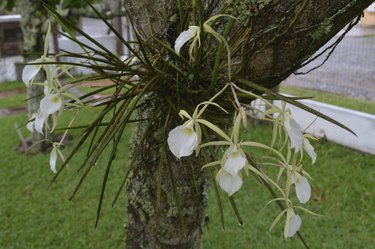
x: 118, y: 122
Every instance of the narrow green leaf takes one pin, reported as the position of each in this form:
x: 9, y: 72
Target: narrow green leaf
x: 235, y: 209
x: 215, y: 129
x: 218, y: 200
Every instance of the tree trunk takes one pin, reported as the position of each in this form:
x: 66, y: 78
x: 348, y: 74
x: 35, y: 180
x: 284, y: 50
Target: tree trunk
x: 270, y: 40
x: 162, y: 213
x: 34, y: 27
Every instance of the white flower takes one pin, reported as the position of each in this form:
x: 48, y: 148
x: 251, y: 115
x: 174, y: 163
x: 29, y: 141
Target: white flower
x: 309, y: 149
x: 303, y: 189
x: 52, y: 160
x: 37, y: 123
x: 294, y: 132
x: 229, y: 183
x: 293, y: 224
x: 30, y: 71
x: 182, y: 141
x: 30, y: 126
x: 50, y: 104
x: 185, y: 36
x: 31, y: 123
x: 234, y: 161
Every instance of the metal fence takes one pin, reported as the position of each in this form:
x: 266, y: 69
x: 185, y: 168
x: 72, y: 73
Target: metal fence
x: 350, y: 69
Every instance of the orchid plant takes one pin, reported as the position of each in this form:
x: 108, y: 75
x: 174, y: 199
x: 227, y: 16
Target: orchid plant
x: 214, y: 128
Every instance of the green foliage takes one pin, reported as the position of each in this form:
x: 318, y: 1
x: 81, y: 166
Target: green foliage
x: 33, y: 216
x: 7, y: 4
x: 8, y: 86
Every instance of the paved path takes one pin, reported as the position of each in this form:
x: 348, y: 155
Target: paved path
x: 350, y: 70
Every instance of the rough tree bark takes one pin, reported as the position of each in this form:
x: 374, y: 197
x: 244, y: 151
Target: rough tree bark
x: 34, y: 27
x: 278, y: 36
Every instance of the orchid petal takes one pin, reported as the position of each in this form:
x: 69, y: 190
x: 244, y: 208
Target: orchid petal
x: 309, y: 150
x: 303, y: 188
x: 294, y: 132
x: 182, y: 141
x: 30, y: 126
x: 235, y: 161
x: 30, y: 71
x: 52, y: 160
x: 294, y: 225
x: 39, y: 122
x: 50, y: 104
x: 230, y: 183
x: 184, y: 37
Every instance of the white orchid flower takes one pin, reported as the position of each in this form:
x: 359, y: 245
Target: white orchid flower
x: 309, y: 150
x: 182, y: 140
x: 292, y: 224
x: 185, y: 36
x: 38, y: 122
x: 229, y: 183
x: 303, y: 188
x: 234, y: 160
x: 294, y: 132
x: 52, y: 159
x: 30, y: 71
x: 50, y: 104
x: 31, y: 123
x: 30, y: 126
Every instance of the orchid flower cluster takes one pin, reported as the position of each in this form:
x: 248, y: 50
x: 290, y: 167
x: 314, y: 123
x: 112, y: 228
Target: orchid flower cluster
x: 288, y: 146
x: 234, y: 164
x: 52, y: 104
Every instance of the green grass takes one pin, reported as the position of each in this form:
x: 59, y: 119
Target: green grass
x: 32, y: 216
x: 343, y: 191
x: 14, y: 85
x: 331, y: 98
x: 14, y: 100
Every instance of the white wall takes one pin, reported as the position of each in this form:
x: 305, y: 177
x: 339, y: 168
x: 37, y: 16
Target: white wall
x: 8, y: 68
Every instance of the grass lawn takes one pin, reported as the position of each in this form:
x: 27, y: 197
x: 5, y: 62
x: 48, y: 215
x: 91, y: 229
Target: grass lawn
x: 13, y: 85
x: 33, y: 217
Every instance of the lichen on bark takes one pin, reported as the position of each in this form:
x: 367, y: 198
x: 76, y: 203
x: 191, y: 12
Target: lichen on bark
x: 165, y: 221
